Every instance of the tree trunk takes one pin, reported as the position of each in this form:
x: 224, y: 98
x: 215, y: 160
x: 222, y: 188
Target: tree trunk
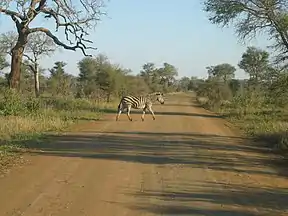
x: 36, y: 81
x: 17, y: 56
x: 108, y: 97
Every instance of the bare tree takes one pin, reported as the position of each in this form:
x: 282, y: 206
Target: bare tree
x: 74, y: 17
x: 38, y: 46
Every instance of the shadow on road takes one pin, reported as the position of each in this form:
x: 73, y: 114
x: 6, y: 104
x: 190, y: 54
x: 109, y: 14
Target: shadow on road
x: 178, y: 105
x: 189, y: 114
x: 134, y: 111
x: 194, y: 150
x: 220, y: 153
x: 230, y: 199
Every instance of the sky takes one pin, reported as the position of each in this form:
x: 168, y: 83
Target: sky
x: 137, y: 32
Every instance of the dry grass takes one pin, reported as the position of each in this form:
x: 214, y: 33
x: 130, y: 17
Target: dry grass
x: 16, y: 125
x: 51, y: 116
x: 265, y: 124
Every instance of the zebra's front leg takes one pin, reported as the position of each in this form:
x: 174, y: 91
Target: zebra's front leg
x: 142, y: 117
x: 152, y: 113
x: 128, y: 113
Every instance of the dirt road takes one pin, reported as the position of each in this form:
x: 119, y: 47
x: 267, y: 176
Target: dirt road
x: 187, y: 162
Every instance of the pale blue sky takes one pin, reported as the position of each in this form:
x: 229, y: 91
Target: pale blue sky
x: 157, y: 31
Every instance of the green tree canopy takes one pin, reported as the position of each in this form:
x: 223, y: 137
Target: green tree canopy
x: 255, y: 62
x: 252, y: 17
x: 223, y: 72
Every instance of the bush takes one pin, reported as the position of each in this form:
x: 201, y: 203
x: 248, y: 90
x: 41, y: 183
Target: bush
x: 11, y: 103
x: 69, y: 104
x: 22, y: 117
x: 259, y: 111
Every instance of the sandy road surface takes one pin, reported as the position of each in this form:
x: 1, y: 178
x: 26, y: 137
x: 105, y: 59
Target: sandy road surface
x: 187, y: 162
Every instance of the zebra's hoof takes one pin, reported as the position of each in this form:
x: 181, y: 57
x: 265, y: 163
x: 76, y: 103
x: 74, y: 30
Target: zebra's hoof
x: 130, y: 119
x: 142, y: 119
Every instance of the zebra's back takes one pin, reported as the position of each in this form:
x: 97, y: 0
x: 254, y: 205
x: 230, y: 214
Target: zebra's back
x: 136, y: 102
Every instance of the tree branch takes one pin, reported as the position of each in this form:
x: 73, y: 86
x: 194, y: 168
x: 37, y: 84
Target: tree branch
x: 18, y: 24
x: 75, y: 18
x: 11, y: 13
x: 79, y: 44
x: 32, y: 12
x: 28, y: 57
x: 69, y: 27
x: 30, y: 66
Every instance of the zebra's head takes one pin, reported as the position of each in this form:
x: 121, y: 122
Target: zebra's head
x: 159, y: 97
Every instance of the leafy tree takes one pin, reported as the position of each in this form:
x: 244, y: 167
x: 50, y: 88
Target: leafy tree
x: 59, y: 81
x: 278, y: 90
x: 97, y: 75
x: 7, y: 41
x: 159, y: 79
x: 273, y: 74
x: 252, y: 17
x: 255, y: 62
x: 74, y: 17
x: 135, y: 85
x: 184, y: 83
x: 167, y: 74
x: 195, y: 83
x: 148, y: 73
x: 235, y: 86
x: 3, y: 62
x: 58, y: 69
x: 88, y: 75
x: 223, y: 72
x: 109, y: 80
x: 210, y: 71
x: 87, y: 67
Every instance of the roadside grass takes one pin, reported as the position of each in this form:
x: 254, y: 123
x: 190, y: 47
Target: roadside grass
x: 27, y: 118
x: 266, y: 124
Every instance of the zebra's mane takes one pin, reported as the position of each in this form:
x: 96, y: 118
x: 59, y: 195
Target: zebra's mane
x: 152, y: 96
x: 154, y: 93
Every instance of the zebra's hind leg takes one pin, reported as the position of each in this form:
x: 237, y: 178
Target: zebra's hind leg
x: 119, y: 111
x: 128, y: 113
x: 118, y: 114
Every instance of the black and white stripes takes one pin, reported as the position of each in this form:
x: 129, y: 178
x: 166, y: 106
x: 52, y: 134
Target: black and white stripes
x: 139, y: 102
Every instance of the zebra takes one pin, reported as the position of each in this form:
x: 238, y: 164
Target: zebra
x: 139, y: 102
